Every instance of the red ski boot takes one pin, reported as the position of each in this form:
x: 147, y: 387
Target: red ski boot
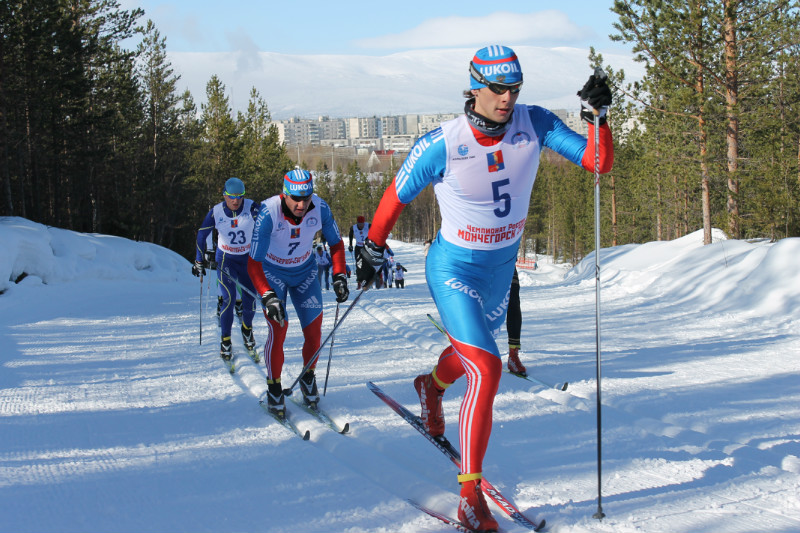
x: 514, y: 364
x: 430, y: 397
x: 472, y: 509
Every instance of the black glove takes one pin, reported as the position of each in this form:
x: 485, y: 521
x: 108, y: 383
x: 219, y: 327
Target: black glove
x: 273, y: 307
x: 368, y: 262
x: 350, y: 248
x: 595, y: 96
x: 198, y: 268
x: 340, y: 287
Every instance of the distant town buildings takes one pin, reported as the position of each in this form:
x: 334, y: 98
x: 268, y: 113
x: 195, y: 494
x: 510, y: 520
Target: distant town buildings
x: 396, y: 133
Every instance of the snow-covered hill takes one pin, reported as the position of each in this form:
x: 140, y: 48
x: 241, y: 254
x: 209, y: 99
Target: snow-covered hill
x: 114, y: 418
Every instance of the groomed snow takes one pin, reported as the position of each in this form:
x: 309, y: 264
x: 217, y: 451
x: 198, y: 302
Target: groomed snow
x: 115, y: 419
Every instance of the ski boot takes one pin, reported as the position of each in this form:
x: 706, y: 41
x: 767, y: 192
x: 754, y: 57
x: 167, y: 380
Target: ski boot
x: 275, y: 399
x: 226, y: 353
x: 430, y: 398
x: 250, y: 343
x: 308, y: 386
x: 515, y: 366
x: 472, y: 509
x: 226, y: 349
x: 248, y: 338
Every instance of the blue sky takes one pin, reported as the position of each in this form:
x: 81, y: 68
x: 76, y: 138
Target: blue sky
x: 374, y: 28
x: 376, y: 58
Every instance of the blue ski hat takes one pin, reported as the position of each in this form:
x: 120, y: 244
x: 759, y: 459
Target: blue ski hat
x: 234, y: 187
x: 497, y: 64
x: 298, y: 183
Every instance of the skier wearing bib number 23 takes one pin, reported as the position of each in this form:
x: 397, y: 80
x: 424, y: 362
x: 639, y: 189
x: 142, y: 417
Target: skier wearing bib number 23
x: 281, y: 264
x: 482, y: 166
x: 233, y: 219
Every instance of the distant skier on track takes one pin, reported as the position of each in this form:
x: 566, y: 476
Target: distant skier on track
x: 281, y: 264
x: 482, y: 166
x: 234, y: 219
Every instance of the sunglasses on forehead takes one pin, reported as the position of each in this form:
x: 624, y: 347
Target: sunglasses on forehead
x: 496, y: 88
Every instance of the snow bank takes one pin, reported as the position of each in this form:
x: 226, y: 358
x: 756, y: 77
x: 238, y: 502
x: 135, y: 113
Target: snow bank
x: 42, y: 254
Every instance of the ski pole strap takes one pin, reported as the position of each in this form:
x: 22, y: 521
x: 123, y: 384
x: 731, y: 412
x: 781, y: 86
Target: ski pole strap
x: 323, y: 343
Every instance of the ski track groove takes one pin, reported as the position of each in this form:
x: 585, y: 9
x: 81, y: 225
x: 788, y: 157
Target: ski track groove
x: 675, y: 433
x: 431, y: 484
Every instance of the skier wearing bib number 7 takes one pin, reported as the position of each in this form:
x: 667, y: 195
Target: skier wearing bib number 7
x: 281, y: 265
x: 482, y: 166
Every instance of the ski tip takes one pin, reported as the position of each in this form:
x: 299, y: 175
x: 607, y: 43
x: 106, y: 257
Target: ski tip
x: 540, y: 526
x: 345, y: 429
x: 564, y: 387
x: 307, y: 435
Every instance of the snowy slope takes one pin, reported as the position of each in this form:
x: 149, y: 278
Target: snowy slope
x: 114, y: 418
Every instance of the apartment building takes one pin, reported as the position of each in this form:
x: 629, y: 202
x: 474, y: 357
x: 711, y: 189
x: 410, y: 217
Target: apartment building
x: 391, y: 132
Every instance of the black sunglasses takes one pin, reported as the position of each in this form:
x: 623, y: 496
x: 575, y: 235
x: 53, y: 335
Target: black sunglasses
x: 496, y: 88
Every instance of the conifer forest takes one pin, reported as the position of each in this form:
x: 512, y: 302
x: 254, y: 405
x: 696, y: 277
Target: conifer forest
x: 95, y: 137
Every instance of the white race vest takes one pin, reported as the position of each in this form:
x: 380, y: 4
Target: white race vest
x: 485, y: 190
x: 291, y: 245
x: 360, y: 235
x: 234, y: 233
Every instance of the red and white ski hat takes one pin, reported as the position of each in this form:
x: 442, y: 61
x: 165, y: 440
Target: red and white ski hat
x: 298, y: 183
x: 497, y: 64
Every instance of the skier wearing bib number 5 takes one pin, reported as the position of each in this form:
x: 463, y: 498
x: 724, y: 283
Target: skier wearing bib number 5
x: 234, y: 219
x: 281, y: 264
x: 482, y: 166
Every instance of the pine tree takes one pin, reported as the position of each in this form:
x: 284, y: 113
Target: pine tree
x: 218, y: 156
x: 166, y: 146
x: 264, y: 158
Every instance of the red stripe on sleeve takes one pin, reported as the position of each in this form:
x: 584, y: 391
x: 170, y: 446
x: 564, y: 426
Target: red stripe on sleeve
x: 385, y: 216
x: 338, y: 258
x: 256, y: 272
x: 606, y: 150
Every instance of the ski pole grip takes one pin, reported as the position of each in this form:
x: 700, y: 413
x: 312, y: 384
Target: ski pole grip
x: 599, y: 74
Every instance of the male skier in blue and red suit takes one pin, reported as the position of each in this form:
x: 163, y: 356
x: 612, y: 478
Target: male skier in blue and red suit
x: 281, y: 264
x: 482, y: 166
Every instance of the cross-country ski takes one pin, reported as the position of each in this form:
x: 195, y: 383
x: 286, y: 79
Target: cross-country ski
x: 207, y: 204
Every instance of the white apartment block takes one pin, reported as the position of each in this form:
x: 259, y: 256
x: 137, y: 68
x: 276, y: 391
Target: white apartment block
x: 391, y: 132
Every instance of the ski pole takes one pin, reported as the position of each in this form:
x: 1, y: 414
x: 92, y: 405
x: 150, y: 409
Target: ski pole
x: 201, y: 308
x: 330, y: 354
x: 313, y: 359
x: 321, y: 346
x: 560, y: 386
x: 240, y: 286
x: 599, y: 74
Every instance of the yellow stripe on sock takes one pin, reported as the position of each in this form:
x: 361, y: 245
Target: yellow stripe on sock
x: 442, y: 385
x: 462, y: 478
